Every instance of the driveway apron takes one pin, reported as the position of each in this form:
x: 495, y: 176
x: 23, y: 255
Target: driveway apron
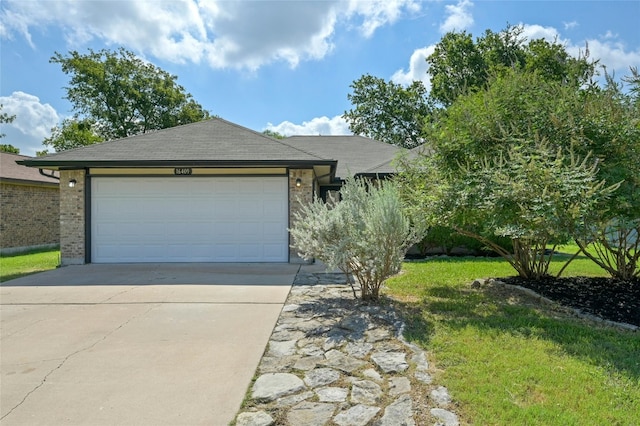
x: 144, y: 344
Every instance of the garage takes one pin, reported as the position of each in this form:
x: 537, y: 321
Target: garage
x: 189, y: 219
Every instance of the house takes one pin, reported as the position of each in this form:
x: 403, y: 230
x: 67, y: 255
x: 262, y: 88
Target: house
x: 210, y: 191
x: 29, y: 206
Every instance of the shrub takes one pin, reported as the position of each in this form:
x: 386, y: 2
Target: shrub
x: 366, y: 234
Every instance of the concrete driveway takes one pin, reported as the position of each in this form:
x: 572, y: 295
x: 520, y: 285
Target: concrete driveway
x: 144, y: 344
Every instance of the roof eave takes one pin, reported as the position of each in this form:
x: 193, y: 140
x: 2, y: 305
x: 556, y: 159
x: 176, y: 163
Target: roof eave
x: 74, y: 164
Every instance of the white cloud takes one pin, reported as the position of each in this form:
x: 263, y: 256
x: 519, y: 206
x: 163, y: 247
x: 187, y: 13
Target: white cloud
x: 377, y: 13
x: 570, y: 25
x: 613, y: 55
x: 418, y: 67
x: 32, y: 124
x: 225, y: 34
x: 317, y: 126
x: 459, y: 17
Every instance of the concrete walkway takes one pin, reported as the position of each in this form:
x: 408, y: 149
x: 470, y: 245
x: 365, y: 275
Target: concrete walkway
x: 135, y: 344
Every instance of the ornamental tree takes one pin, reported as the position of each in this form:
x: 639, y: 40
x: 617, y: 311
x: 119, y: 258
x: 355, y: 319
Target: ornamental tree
x: 532, y: 194
x: 366, y: 234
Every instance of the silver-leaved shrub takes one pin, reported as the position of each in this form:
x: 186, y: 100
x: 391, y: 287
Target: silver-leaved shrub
x: 366, y: 234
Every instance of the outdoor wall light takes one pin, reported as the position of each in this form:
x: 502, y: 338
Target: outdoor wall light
x: 298, y: 182
x: 72, y: 183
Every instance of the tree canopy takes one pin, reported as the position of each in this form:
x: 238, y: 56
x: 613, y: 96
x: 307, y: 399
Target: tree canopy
x: 115, y: 95
x: 460, y: 65
x: 387, y: 111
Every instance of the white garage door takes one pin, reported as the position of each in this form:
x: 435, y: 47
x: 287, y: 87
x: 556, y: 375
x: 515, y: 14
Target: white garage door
x: 189, y: 219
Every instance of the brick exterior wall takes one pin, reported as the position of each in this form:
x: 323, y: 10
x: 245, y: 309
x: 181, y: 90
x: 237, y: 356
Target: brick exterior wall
x: 72, y: 218
x: 28, y: 216
x: 298, y: 195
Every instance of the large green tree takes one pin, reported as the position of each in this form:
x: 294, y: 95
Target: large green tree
x: 515, y: 111
x: 118, y: 94
x: 387, y: 111
x: 460, y: 64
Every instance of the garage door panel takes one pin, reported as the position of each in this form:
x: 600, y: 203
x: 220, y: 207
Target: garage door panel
x: 189, y: 219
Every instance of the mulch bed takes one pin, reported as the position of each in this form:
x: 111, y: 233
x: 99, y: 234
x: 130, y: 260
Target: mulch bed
x: 609, y: 299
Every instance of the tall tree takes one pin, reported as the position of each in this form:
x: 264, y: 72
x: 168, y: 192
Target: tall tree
x: 460, y: 65
x: 387, y: 111
x: 122, y: 95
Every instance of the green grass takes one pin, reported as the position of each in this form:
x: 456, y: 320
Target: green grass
x: 18, y: 265
x: 508, y: 360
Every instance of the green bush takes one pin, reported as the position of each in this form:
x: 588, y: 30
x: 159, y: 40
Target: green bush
x: 366, y: 234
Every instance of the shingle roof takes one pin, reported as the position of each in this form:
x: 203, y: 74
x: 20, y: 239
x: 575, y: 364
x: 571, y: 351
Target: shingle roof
x: 11, y: 171
x: 355, y: 154
x: 218, y: 142
x: 215, y: 140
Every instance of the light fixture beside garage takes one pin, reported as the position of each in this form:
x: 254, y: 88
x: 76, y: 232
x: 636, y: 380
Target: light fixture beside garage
x: 298, y: 182
x: 72, y: 183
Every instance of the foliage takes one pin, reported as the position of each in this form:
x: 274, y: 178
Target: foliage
x: 366, y: 234
x: 597, y: 122
x: 531, y: 194
x: 459, y: 65
x: 608, y: 124
x: 5, y: 118
x: 5, y: 147
x: 273, y: 134
x: 122, y: 95
x: 445, y: 240
x: 72, y: 133
x: 387, y: 111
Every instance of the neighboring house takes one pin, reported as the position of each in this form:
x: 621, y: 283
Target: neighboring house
x: 211, y: 191
x: 29, y: 206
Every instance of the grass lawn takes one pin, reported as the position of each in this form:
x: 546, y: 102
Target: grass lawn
x: 18, y: 265
x: 508, y: 360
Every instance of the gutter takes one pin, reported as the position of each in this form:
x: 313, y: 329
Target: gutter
x: 49, y: 176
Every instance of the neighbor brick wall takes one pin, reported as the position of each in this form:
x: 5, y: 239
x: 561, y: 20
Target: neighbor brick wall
x: 72, y: 218
x: 297, y: 196
x: 29, y: 216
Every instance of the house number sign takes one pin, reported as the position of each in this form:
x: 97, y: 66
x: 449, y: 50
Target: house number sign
x: 182, y: 171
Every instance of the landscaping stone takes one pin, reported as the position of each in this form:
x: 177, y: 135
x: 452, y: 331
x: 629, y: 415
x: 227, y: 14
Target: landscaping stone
x: 365, y: 392
x: 399, y: 385
x: 446, y: 418
x: 400, y: 412
x: 321, y: 377
x: 333, y: 359
x: 310, y: 413
x: 331, y: 394
x: 271, y: 386
x: 440, y: 396
x: 360, y: 415
x: 390, y: 362
x: 259, y: 418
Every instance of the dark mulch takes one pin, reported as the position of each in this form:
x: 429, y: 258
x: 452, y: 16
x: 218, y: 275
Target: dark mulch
x: 613, y: 300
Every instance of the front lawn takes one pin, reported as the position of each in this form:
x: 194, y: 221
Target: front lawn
x: 18, y: 265
x: 507, y: 359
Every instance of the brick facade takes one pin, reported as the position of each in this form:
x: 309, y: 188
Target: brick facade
x: 28, y: 216
x: 72, y: 218
x: 297, y: 196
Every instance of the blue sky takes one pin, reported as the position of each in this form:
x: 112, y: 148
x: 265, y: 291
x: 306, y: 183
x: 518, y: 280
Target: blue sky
x: 279, y: 65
